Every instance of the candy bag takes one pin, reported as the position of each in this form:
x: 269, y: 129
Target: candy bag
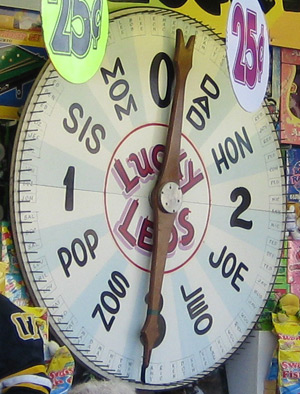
x: 289, y: 366
x: 287, y: 330
x: 3, y: 270
x: 61, y: 371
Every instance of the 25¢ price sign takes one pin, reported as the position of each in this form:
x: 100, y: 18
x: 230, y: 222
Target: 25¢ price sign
x: 75, y: 34
x: 248, y: 52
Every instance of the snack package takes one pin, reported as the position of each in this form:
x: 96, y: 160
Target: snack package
x: 289, y: 366
x: 287, y: 330
x: 61, y: 371
x: 3, y: 270
x: 15, y: 289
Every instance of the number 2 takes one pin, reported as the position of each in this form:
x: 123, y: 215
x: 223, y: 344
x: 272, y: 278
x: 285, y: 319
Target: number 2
x: 235, y: 220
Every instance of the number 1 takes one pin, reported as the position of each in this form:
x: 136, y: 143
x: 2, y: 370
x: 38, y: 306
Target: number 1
x: 69, y: 183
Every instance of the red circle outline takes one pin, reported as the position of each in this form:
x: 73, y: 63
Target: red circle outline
x: 106, y: 209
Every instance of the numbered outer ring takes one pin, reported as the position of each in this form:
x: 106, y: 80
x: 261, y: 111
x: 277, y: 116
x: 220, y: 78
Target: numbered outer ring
x: 85, y: 162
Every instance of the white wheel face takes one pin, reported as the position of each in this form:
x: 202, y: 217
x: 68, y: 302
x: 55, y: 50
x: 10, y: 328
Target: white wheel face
x: 86, y: 160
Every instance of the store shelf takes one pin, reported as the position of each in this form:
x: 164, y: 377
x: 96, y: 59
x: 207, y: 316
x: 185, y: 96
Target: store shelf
x: 34, y: 5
